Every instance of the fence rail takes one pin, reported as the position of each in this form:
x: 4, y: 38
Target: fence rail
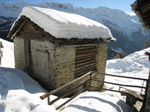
x: 125, y: 77
x: 126, y: 85
x: 47, y: 95
x: 64, y: 86
x: 87, y: 82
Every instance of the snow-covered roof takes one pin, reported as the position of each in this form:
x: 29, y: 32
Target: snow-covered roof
x: 66, y: 25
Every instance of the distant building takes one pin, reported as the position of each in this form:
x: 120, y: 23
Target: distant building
x: 56, y: 47
x: 118, y: 53
x: 118, y: 56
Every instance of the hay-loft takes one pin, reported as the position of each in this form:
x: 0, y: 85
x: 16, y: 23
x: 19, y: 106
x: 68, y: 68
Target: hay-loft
x: 56, y: 47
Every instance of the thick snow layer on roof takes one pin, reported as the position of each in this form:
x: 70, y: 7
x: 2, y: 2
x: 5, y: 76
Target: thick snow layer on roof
x: 66, y: 25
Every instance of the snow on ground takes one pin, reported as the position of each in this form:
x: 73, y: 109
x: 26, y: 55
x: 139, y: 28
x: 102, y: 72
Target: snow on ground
x: 67, y: 25
x: 133, y: 65
x: 8, y: 54
x: 20, y: 93
x: 97, y: 102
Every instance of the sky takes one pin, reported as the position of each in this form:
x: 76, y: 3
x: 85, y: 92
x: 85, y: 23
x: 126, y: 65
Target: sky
x: 113, y: 4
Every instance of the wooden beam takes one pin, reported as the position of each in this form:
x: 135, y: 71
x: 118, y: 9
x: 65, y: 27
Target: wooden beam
x: 85, y: 47
x: 64, y: 86
x: 24, y: 22
x: 70, y: 99
x: 125, y: 77
x: 85, y: 63
x: 86, y: 51
x: 85, y: 66
x: 83, y: 71
x: 119, y: 84
x: 68, y: 92
x: 82, y: 55
x: 85, y: 59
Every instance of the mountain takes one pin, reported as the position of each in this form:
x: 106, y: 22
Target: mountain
x: 5, y: 25
x: 130, y: 34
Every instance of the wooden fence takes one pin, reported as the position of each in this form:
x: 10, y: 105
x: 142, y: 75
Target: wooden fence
x: 123, y: 85
x: 87, y: 82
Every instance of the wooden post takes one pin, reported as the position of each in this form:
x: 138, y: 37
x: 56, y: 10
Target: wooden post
x: 146, y: 103
x: 90, y: 81
x: 64, y: 86
x: 48, y: 100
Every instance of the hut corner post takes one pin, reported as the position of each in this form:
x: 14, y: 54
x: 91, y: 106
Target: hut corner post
x: 146, y: 103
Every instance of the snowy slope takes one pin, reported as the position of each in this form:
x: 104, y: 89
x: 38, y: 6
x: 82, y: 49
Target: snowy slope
x: 133, y: 65
x: 19, y: 93
x: 8, y: 52
x: 97, y: 102
x: 136, y: 63
x: 117, y: 17
x: 5, y: 24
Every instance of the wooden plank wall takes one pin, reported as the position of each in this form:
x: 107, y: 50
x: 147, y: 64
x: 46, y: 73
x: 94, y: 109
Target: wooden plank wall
x: 85, y: 60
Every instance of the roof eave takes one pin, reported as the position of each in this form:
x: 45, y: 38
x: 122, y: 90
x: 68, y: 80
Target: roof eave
x: 136, y: 7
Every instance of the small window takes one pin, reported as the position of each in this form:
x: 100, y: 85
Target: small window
x: 85, y: 60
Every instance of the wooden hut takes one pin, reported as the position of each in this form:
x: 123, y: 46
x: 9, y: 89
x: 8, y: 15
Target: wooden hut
x: 56, y: 47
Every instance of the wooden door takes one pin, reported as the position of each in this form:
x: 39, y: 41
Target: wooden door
x: 28, y: 56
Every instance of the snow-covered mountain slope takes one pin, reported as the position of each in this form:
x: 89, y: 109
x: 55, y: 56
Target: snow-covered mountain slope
x: 5, y: 24
x: 136, y: 63
x: 120, y: 19
x: 11, y: 9
x: 133, y: 65
x: 130, y: 34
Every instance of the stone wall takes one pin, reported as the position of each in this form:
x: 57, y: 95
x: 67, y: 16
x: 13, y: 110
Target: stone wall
x: 39, y: 63
x: 54, y: 66
x: 43, y: 62
x: 146, y: 102
x: 42, y: 57
x: 101, y: 59
x: 64, y: 64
